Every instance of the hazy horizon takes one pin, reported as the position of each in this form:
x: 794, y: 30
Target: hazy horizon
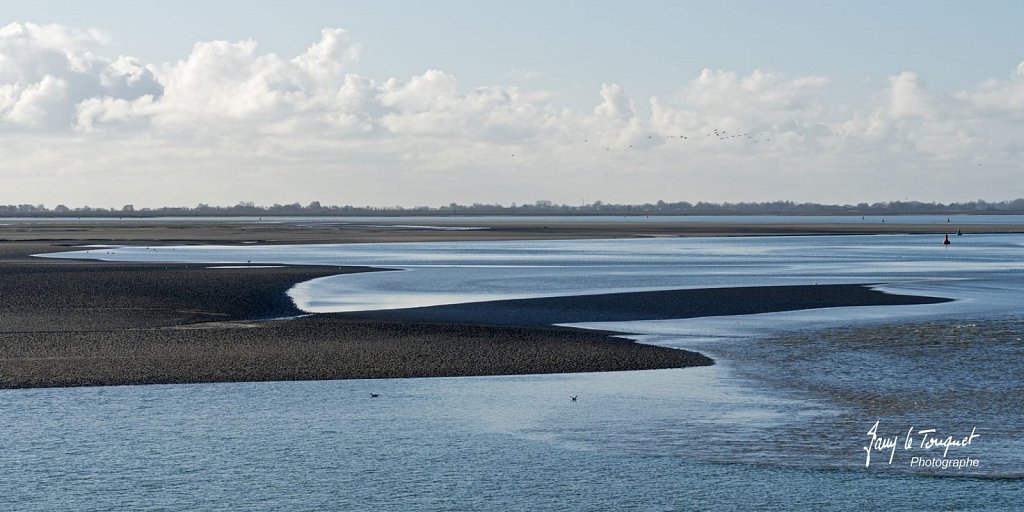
x: 400, y: 103
x: 660, y: 207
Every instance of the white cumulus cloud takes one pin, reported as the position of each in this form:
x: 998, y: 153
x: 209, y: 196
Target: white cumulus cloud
x: 998, y: 97
x: 230, y: 121
x: 45, y: 70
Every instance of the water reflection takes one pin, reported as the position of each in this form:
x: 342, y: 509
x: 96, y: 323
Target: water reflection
x: 797, y: 389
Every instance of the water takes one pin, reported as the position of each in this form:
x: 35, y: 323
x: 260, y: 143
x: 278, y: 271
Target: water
x: 780, y: 422
x: 981, y: 269
x: 509, y: 443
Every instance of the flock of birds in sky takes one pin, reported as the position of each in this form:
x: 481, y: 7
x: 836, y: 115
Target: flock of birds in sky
x: 722, y: 135
x: 716, y: 133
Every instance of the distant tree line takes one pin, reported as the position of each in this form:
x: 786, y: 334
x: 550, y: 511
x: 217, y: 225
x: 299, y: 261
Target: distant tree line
x: 1015, y: 206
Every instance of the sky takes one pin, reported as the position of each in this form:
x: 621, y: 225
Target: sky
x: 389, y: 103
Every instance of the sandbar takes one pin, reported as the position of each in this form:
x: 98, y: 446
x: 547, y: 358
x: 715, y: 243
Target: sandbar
x: 87, y: 323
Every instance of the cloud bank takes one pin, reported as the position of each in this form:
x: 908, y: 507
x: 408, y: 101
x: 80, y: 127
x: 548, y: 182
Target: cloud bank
x: 229, y: 122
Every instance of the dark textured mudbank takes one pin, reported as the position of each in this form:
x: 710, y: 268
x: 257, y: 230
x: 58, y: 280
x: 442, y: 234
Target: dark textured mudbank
x: 82, y: 323
x: 316, y: 348
x: 79, y: 323
x: 656, y: 305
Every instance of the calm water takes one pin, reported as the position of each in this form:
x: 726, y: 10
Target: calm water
x: 780, y: 423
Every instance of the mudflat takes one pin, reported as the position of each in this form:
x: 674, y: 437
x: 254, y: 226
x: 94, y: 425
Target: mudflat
x: 271, y: 230
x: 78, y: 323
x: 85, y: 323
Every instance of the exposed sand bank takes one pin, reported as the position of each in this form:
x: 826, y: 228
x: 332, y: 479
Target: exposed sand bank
x: 283, y: 230
x: 654, y: 305
x: 73, y: 322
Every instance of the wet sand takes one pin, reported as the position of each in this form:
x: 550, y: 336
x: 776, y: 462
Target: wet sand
x: 283, y: 230
x: 654, y: 305
x: 86, y: 323
x: 77, y: 323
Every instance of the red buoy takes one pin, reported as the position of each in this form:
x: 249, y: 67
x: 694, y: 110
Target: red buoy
x: 946, y: 241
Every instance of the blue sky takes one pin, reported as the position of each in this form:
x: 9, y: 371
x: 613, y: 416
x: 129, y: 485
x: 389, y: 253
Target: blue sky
x: 647, y: 46
x: 926, y: 95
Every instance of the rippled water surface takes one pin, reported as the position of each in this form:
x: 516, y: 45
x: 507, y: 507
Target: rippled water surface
x: 781, y: 421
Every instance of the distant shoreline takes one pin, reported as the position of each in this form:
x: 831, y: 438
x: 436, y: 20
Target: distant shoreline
x: 447, y: 215
x: 540, y: 207
x: 297, y: 231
